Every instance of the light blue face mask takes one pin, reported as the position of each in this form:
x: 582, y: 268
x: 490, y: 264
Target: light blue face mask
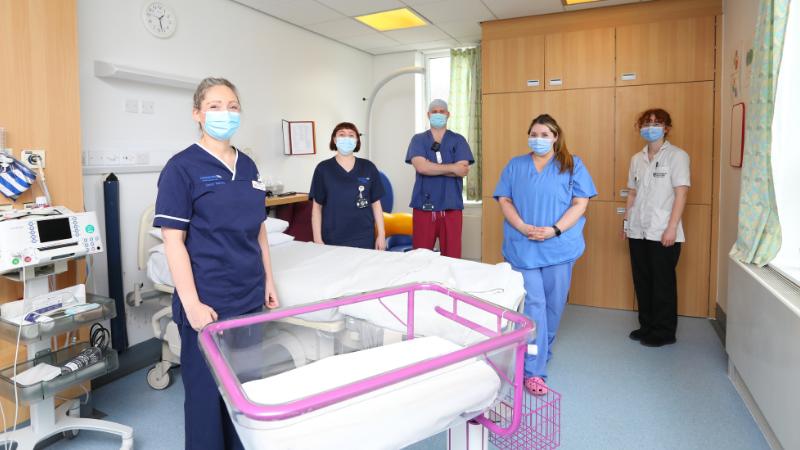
x: 652, y: 134
x: 540, y: 146
x: 346, y: 145
x: 438, y: 120
x: 221, y: 125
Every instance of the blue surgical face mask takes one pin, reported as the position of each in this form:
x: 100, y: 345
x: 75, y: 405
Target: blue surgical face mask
x: 652, y: 134
x: 438, y: 120
x: 346, y: 145
x: 540, y: 146
x: 221, y: 125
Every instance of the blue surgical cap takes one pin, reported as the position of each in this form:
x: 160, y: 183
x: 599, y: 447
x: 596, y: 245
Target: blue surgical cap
x: 438, y: 102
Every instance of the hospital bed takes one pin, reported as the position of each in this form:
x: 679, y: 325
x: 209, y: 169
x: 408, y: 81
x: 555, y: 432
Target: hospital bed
x: 306, y: 272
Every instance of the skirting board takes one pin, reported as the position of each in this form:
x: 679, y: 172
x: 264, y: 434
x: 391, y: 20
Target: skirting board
x: 761, y: 421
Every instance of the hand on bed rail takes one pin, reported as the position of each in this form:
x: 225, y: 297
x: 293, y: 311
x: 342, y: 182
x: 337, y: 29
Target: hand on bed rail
x: 199, y: 314
x: 272, y: 296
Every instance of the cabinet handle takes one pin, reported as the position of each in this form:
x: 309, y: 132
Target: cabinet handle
x: 533, y: 83
x: 628, y: 76
x: 623, y: 193
x: 555, y: 81
x: 620, y: 210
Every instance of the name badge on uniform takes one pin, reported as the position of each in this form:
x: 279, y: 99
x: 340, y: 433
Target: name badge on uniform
x: 259, y: 185
x: 428, y: 206
x: 361, y: 202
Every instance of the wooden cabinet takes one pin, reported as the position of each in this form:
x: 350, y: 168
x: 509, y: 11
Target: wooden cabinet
x: 693, y: 265
x: 579, y: 59
x: 676, y: 51
x: 602, y: 276
x: 586, y: 118
x: 506, y: 118
x: 492, y: 230
x: 691, y: 106
x: 508, y: 64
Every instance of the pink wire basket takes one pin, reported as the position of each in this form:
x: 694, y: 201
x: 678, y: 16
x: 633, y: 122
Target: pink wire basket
x: 540, y: 427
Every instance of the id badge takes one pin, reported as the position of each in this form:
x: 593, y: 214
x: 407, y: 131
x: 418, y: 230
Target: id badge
x: 259, y: 185
x: 427, y: 207
x: 361, y: 202
x: 625, y: 225
x: 439, y: 157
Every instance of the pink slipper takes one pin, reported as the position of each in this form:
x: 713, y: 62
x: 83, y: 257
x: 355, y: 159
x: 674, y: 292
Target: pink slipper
x: 536, y: 386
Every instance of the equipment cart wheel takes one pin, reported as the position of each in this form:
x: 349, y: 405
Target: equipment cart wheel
x: 70, y: 434
x: 158, y: 383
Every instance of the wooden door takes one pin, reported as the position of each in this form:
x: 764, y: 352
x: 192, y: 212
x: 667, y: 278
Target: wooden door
x: 506, y: 118
x: 580, y: 59
x: 676, y: 51
x: 492, y: 230
x: 691, y: 106
x: 602, y: 276
x: 509, y: 64
x: 586, y: 118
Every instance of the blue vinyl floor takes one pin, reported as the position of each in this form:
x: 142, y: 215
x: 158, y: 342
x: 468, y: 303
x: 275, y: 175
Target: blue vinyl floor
x: 617, y: 394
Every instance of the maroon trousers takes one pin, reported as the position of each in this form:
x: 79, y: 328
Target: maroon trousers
x: 445, y: 225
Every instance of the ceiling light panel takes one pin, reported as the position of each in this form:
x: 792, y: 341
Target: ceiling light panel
x: 392, y: 20
x: 577, y: 2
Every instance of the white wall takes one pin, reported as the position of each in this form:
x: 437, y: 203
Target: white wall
x: 281, y: 71
x: 739, y: 24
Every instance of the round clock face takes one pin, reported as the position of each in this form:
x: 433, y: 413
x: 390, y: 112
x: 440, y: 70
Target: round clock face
x: 159, y: 20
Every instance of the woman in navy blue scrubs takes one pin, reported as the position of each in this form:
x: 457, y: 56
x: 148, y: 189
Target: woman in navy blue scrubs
x: 347, y: 194
x: 210, y: 207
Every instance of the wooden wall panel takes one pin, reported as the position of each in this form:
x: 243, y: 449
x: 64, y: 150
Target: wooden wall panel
x: 607, y: 17
x: 714, y: 265
x: 602, y: 276
x: 587, y: 119
x: 508, y: 64
x: 506, y: 118
x: 691, y: 106
x: 694, y: 261
x: 666, y: 52
x: 492, y: 230
x: 581, y: 59
x: 39, y: 79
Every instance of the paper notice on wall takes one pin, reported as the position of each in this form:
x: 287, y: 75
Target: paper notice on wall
x: 302, y: 138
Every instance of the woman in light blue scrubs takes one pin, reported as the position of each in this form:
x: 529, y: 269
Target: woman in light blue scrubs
x: 543, y: 195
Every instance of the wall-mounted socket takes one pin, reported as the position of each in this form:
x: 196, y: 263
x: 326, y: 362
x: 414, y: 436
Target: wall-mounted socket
x: 30, y: 205
x: 131, y: 106
x: 142, y: 157
x: 147, y: 107
x: 97, y: 158
x: 112, y: 157
x: 4, y: 208
x: 85, y: 158
x: 128, y: 157
x: 29, y: 158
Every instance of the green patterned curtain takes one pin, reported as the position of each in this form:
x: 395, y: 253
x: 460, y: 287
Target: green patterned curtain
x: 759, y: 230
x: 465, y: 109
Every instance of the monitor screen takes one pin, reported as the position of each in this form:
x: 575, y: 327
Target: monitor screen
x: 53, y: 230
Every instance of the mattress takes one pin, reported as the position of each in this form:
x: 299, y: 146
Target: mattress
x: 389, y: 418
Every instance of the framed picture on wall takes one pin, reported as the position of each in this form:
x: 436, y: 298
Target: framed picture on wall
x: 737, y: 134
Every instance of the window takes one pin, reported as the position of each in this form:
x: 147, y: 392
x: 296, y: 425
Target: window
x: 785, y: 154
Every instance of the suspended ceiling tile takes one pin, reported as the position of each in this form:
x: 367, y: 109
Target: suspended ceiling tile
x: 340, y: 29
x: 303, y: 12
x: 424, y: 33
x: 354, y: 8
x: 433, y: 45
x: 470, y: 41
x: 507, y: 9
x: 419, y: 2
x: 261, y: 4
x: 599, y: 4
x: 369, y: 41
x: 454, y: 10
x: 385, y: 50
x: 461, y: 28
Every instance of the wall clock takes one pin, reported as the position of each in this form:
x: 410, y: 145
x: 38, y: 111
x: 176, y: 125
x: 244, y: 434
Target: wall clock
x: 159, y: 20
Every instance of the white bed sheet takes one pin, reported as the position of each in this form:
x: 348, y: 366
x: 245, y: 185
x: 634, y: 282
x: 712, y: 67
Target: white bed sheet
x: 389, y: 418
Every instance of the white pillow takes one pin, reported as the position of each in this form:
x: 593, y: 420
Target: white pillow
x: 156, y: 233
x: 276, y: 225
x: 278, y: 239
x: 157, y: 249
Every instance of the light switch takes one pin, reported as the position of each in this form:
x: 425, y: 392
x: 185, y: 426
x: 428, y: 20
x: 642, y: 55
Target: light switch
x: 142, y: 157
x: 131, y: 106
x: 96, y: 158
x: 147, y: 107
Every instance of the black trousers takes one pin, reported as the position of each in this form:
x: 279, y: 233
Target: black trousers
x: 656, y: 285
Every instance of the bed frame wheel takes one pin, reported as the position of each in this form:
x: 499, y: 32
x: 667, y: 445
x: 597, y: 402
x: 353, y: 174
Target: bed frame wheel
x: 158, y: 378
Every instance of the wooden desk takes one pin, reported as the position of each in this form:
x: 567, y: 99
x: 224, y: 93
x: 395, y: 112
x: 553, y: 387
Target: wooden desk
x: 277, y: 201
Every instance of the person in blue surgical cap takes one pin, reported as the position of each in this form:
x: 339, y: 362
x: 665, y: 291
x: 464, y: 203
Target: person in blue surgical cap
x: 543, y: 195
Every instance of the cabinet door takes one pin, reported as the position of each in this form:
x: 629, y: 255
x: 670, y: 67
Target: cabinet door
x: 509, y: 64
x: 492, y: 231
x: 677, y: 51
x: 580, y: 59
x: 602, y: 276
x: 506, y: 118
x: 694, y: 263
x: 691, y: 106
x: 586, y: 118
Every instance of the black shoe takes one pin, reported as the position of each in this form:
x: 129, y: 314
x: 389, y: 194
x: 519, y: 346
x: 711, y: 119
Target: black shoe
x: 655, y: 341
x: 638, y: 335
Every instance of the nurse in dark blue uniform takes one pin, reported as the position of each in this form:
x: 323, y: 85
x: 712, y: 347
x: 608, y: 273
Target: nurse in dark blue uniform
x: 211, y: 209
x: 347, y: 194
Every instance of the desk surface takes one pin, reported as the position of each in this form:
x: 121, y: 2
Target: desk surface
x: 277, y: 201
